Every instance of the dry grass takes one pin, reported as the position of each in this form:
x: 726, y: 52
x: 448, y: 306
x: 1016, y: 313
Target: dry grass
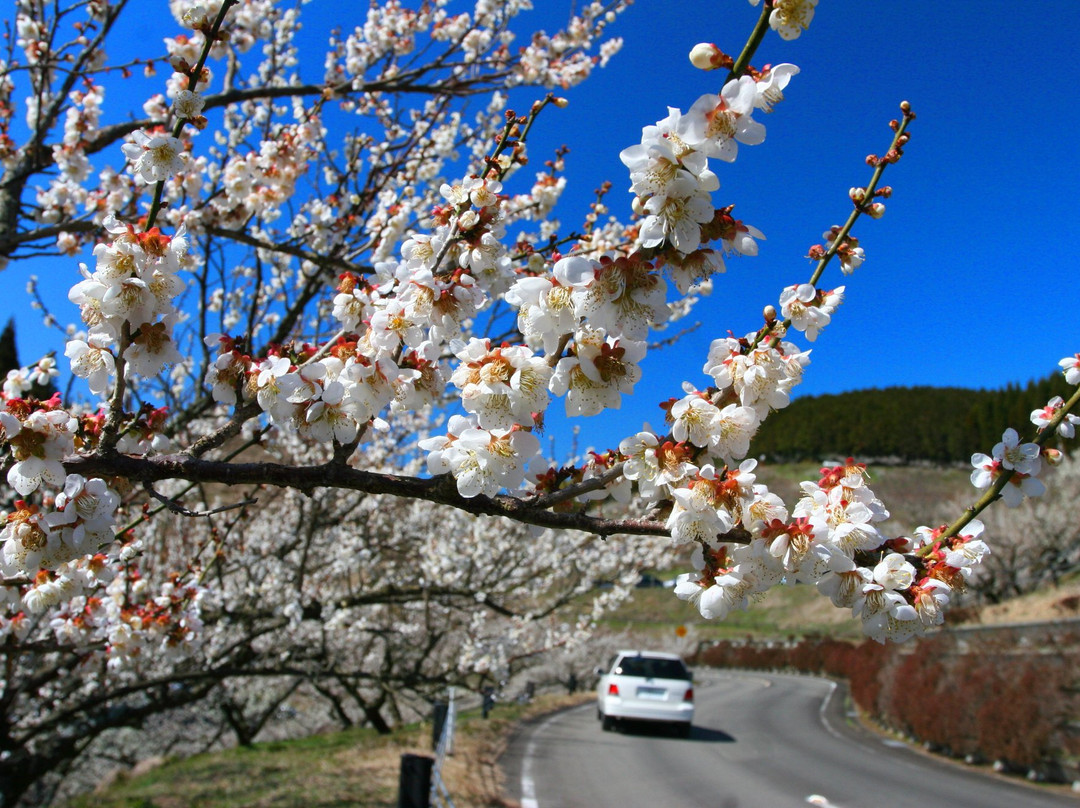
x: 1058, y: 603
x: 473, y: 774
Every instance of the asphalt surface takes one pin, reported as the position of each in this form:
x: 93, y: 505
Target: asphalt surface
x: 759, y: 741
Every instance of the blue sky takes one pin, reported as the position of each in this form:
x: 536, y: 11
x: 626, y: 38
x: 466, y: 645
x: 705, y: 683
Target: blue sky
x: 969, y: 275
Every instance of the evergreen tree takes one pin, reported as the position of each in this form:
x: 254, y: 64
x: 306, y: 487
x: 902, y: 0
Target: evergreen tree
x: 9, y: 354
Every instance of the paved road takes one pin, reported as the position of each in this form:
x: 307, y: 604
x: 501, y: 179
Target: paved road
x: 759, y: 741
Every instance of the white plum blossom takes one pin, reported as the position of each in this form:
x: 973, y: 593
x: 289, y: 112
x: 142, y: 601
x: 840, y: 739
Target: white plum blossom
x: 274, y: 383
x: 39, y: 443
x: 769, y: 90
x: 843, y: 581
x: 894, y: 572
x: 1017, y: 456
x: 1042, y: 418
x: 676, y: 220
x: 547, y: 307
x: 789, y: 18
x: 155, y: 157
x: 328, y: 417
x: 625, y: 298
x: 188, y: 104
x: 696, y: 514
x: 695, y: 419
x: 663, y: 165
x: 1010, y: 455
x: 885, y: 614
x: 501, y: 386
x: 83, y: 520
x: 763, y: 378
x: 17, y: 383
x: 968, y: 549
x: 930, y: 597
x: 653, y: 465
x: 735, y: 427
x: 716, y: 124
x: 808, y: 308
x: 481, y: 461
x: 728, y: 591
x: 598, y: 373
x: 1070, y: 366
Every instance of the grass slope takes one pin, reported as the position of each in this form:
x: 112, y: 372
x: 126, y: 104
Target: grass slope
x: 353, y: 768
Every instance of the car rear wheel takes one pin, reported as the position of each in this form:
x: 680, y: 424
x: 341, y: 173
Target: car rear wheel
x: 682, y: 730
x: 607, y: 722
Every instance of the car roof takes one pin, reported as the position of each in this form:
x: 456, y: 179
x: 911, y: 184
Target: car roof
x: 654, y: 654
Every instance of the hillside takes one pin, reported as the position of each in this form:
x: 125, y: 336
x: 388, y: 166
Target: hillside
x: 902, y: 424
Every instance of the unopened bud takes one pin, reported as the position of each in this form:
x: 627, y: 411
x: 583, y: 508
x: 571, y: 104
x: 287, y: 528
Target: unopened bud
x: 858, y: 195
x: 704, y: 55
x: 905, y: 107
x: 638, y: 206
x: 769, y: 314
x: 560, y: 102
x: 1053, y: 457
x: 877, y: 210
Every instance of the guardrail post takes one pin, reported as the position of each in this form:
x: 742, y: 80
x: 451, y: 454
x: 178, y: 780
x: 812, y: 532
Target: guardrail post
x: 440, y: 709
x: 414, y: 785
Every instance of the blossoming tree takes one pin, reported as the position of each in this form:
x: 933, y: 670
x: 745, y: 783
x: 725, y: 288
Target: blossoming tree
x: 301, y: 294
x: 351, y: 605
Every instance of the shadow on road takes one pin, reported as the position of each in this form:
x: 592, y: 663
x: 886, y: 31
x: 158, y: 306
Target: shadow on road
x: 700, y: 734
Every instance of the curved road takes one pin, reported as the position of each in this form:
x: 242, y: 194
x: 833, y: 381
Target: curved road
x: 759, y: 741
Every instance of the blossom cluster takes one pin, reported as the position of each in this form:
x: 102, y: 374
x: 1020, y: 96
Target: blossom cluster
x: 419, y: 329
x: 746, y: 540
x: 830, y: 539
x: 127, y: 304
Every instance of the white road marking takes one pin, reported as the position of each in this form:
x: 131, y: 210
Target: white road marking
x: 821, y: 713
x: 817, y: 799
x: 528, y: 786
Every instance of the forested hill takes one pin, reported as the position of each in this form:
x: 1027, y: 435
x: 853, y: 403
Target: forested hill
x: 937, y: 424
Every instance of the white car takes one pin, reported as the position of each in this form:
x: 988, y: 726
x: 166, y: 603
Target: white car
x: 646, y: 686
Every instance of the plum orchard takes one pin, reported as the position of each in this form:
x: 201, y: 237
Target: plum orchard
x: 291, y: 309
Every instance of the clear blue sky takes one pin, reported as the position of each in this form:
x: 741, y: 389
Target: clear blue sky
x: 969, y: 277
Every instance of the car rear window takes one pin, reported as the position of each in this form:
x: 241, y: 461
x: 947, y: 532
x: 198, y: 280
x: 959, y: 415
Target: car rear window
x: 653, y: 668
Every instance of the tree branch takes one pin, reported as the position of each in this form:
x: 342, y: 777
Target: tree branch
x: 440, y: 490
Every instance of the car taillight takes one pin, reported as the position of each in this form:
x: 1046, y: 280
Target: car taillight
x: 613, y: 689
x: 689, y: 695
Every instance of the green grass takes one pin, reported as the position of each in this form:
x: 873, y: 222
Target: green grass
x: 356, y: 767
x: 314, y: 771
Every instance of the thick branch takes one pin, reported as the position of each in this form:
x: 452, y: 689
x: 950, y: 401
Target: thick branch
x: 440, y: 490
